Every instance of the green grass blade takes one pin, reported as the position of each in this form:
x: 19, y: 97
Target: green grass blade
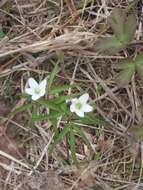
x: 72, y: 142
x: 52, y: 77
x: 60, y: 137
x: 62, y: 88
x: 82, y: 135
x: 39, y: 117
x: 91, y: 120
x: 22, y: 108
x: 48, y: 104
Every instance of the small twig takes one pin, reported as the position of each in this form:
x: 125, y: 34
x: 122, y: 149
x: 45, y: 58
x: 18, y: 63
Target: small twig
x: 42, y: 155
x: 14, y: 159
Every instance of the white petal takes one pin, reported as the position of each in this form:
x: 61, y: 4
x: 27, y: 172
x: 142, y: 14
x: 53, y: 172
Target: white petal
x: 35, y: 97
x: 29, y: 91
x: 32, y: 83
x: 87, y: 108
x: 80, y: 113
x: 72, y: 108
x: 74, y: 100
x: 84, y: 98
x: 43, y: 84
x: 42, y: 92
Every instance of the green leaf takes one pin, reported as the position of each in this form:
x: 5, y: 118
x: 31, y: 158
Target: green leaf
x: 82, y: 135
x: 97, y: 156
x: 60, y: 99
x: 64, y: 108
x: 48, y: 104
x: 125, y: 76
x: 109, y: 45
x: 54, y: 115
x: 60, y: 136
x: 22, y: 108
x: 117, y: 21
x: 139, y: 59
x: 139, y: 65
x: 123, y: 64
x: 123, y: 26
x: 59, y: 89
x: 60, y: 56
x: 91, y: 120
x: 128, y: 69
x: 2, y: 34
x: 52, y: 77
x: 39, y: 117
x: 130, y: 28
x: 72, y: 142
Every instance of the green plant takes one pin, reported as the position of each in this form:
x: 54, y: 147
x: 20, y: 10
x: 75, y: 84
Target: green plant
x: 128, y: 67
x: 123, y: 26
x: 59, y: 106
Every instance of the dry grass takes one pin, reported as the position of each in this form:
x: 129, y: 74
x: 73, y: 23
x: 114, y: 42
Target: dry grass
x: 39, y: 33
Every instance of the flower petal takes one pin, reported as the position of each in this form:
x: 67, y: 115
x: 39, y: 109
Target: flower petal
x: 80, y: 113
x: 43, y: 84
x: 35, y: 96
x: 87, y: 108
x: 74, y: 100
x: 42, y: 92
x: 84, y: 98
x: 32, y: 83
x: 29, y: 91
x: 72, y: 108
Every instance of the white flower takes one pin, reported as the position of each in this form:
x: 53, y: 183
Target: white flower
x: 79, y: 105
x: 36, y: 90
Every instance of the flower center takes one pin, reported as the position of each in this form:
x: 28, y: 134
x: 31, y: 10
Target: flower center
x: 37, y: 90
x: 78, y: 105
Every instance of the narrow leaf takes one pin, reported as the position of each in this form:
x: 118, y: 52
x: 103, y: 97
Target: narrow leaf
x: 22, y: 108
x: 48, y: 104
x: 2, y: 34
x: 91, y: 120
x: 61, y: 99
x: 39, y: 117
x: 82, y: 135
x: 52, y: 76
x: 60, y: 137
x: 59, y: 89
x: 72, y: 142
